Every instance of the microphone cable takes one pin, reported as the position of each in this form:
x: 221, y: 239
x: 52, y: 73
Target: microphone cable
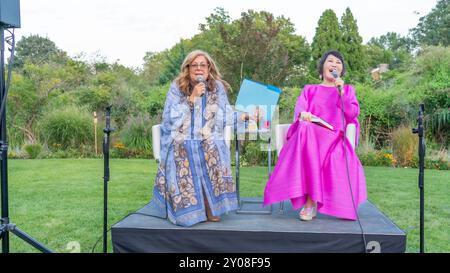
x: 348, y: 172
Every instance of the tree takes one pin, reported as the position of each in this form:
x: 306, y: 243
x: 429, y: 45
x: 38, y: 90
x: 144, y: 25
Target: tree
x: 434, y: 28
x: 393, y: 41
x: 258, y: 46
x: 173, y: 60
x: 377, y: 55
x: 352, y: 47
x: 153, y: 65
x: 327, y: 37
x: 37, y: 50
x: 32, y: 91
x: 163, y: 67
x: 396, y: 50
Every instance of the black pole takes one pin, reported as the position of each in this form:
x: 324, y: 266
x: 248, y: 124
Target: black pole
x: 420, y: 131
x: 4, y: 148
x: 107, y: 132
x: 237, y: 159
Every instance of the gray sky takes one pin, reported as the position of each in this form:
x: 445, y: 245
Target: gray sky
x: 125, y: 30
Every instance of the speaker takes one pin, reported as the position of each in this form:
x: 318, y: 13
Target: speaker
x: 10, y: 13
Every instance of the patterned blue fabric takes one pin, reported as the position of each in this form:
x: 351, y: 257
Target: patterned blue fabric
x: 195, y: 161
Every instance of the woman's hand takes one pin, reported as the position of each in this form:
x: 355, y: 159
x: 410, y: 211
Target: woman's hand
x: 198, y: 91
x: 257, y: 115
x: 340, y: 82
x: 244, y: 116
x: 306, y: 116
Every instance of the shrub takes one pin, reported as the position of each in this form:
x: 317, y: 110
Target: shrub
x: 16, y: 137
x: 439, y: 164
x: 33, y: 150
x: 67, y: 128
x: 404, y: 145
x: 432, y: 164
x: 433, y: 62
x: 16, y: 153
x: 255, y: 153
x: 288, y: 99
x: 432, y: 66
x: 379, y: 113
x: 119, y: 151
x: 377, y: 158
x: 136, y: 137
x: 366, y: 144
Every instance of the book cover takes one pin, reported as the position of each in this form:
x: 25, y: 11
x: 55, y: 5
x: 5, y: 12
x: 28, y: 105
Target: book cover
x: 321, y: 122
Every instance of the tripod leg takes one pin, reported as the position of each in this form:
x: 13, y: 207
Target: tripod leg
x: 27, y: 238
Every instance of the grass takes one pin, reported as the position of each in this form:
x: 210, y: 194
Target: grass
x: 60, y: 201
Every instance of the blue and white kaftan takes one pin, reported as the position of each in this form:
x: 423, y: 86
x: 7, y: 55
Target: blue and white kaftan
x: 195, y: 161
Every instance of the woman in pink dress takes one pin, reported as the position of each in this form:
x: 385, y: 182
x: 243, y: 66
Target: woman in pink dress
x: 311, y: 170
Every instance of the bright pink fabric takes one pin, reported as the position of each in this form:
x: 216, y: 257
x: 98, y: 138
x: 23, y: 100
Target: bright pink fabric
x: 312, y: 161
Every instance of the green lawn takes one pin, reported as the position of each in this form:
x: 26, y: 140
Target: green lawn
x: 61, y: 201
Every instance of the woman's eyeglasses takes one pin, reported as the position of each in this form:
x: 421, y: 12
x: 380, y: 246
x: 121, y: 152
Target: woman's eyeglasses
x: 196, y: 66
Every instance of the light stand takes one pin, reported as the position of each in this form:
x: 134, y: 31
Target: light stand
x: 5, y: 226
x: 107, y: 131
x: 420, y: 131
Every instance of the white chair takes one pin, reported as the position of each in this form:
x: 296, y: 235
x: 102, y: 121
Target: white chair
x: 156, y: 140
x: 280, y: 139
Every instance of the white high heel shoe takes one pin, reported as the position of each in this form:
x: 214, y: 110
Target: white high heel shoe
x: 307, y: 214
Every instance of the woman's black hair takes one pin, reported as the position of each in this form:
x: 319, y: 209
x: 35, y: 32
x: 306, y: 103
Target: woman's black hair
x: 336, y: 54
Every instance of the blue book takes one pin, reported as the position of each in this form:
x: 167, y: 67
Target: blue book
x: 254, y: 94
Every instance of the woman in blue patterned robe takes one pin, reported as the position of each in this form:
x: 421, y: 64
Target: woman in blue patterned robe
x: 194, y: 182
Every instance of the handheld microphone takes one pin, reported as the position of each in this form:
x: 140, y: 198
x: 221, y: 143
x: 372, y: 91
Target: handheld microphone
x: 335, y: 75
x: 200, y: 79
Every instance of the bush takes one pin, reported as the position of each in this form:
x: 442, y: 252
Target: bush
x: 255, y: 154
x: 377, y: 158
x: 16, y: 153
x: 33, y: 150
x: 432, y: 164
x: 404, y: 145
x: 434, y: 86
x: 136, y: 138
x: 379, y: 114
x: 439, y: 164
x: 365, y: 144
x: 288, y: 99
x: 385, y: 158
x: 71, y: 127
x: 16, y: 137
x: 433, y: 62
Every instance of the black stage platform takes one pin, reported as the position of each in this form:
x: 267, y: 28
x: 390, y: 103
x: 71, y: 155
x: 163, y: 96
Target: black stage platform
x: 244, y: 233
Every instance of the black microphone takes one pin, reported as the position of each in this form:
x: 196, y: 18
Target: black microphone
x: 200, y: 79
x: 335, y: 75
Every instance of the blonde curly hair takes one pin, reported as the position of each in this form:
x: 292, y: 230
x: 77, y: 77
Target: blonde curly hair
x: 184, y: 81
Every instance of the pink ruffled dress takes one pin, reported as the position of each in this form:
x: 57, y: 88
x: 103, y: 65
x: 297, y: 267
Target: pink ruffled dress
x: 312, y: 161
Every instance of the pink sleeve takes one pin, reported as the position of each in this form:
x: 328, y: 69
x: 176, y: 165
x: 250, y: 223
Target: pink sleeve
x: 302, y: 102
x: 351, y: 108
x: 351, y: 105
